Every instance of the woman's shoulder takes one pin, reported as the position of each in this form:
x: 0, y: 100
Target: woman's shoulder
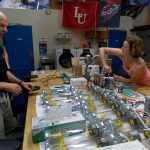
x: 141, y: 63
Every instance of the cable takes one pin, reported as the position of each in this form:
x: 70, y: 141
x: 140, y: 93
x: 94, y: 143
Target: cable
x: 147, y: 113
x: 140, y: 119
x: 62, y: 12
x: 95, y: 24
x: 44, y: 81
x: 53, y: 75
x: 49, y: 77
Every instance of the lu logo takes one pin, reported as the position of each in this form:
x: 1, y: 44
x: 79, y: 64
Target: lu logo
x: 79, y: 16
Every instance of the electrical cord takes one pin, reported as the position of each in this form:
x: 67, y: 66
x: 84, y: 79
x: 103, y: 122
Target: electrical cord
x: 140, y: 119
x: 49, y: 77
x: 44, y: 81
x: 52, y: 76
x: 134, y: 103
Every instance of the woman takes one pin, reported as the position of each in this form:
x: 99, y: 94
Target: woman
x: 133, y: 64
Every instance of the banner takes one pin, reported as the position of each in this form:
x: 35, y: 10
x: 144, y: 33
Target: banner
x: 140, y: 2
x: 82, y: 15
x: 110, y: 13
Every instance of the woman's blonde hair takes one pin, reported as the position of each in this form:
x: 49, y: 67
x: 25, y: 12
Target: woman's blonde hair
x: 136, y: 46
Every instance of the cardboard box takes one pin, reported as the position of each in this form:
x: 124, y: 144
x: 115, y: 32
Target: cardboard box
x: 98, y: 78
x: 74, y: 61
x: 79, y: 82
x: 77, y: 70
x: 102, y: 35
x: 77, y: 63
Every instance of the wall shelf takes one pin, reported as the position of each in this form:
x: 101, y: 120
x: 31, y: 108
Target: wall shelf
x: 63, y: 39
x: 55, y: 5
x: 101, y: 35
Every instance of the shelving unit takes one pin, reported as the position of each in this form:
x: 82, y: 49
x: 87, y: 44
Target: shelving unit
x: 63, y: 36
x: 63, y: 39
x: 100, y: 35
x: 55, y: 5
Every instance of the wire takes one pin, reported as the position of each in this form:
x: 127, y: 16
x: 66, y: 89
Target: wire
x: 62, y: 12
x: 95, y: 25
x: 140, y: 119
x: 53, y: 75
x: 147, y: 113
x: 44, y: 81
x: 49, y: 77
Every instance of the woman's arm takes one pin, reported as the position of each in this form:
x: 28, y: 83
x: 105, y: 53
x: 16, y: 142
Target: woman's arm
x: 104, y: 51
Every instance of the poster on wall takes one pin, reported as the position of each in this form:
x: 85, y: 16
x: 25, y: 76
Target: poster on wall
x: 110, y: 13
x: 80, y: 14
x: 25, y: 4
x: 140, y: 2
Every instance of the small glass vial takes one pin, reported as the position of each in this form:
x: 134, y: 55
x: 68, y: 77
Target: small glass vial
x: 59, y: 35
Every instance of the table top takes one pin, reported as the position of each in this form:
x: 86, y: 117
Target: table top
x: 31, y: 112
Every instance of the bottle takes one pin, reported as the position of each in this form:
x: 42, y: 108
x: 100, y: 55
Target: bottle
x: 81, y: 44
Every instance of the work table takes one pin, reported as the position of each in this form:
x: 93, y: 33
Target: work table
x: 31, y: 112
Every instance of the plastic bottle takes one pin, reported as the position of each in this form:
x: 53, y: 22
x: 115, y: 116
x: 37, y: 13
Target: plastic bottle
x: 81, y: 44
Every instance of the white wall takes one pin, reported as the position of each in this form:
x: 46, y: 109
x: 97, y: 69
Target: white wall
x: 47, y: 26
x: 126, y: 23
x: 43, y: 26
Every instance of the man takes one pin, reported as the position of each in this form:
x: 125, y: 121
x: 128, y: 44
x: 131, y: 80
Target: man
x: 3, y: 44
x: 8, y: 84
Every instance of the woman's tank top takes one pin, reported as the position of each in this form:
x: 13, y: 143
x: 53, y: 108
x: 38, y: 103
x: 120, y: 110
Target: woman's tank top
x: 145, y: 76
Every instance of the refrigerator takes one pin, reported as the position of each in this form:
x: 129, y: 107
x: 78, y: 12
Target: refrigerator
x: 115, y: 40
x: 19, y: 45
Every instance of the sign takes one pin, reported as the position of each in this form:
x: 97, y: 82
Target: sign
x: 80, y: 14
x: 110, y: 13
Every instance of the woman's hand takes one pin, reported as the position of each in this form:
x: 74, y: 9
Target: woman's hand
x: 118, y: 78
x: 107, y: 68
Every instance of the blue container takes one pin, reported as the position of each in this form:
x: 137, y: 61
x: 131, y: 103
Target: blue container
x: 115, y: 40
x: 19, y: 45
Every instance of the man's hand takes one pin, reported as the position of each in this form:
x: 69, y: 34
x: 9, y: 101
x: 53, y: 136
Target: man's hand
x: 13, y: 88
x: 27, y: 85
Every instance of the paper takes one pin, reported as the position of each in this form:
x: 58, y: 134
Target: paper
x: 134, y: 145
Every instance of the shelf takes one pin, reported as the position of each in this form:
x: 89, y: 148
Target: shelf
x: 55, y: 5
x: 63, y: 39
x: 101, y: 35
